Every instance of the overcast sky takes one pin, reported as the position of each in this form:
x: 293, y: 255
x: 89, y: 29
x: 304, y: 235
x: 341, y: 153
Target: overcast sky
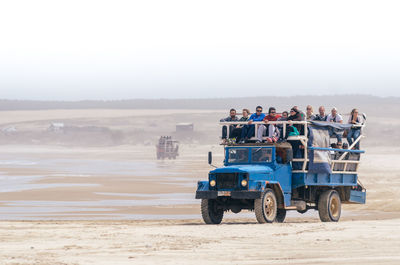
x: 74, y: 50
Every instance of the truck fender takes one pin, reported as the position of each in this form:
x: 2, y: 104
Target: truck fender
x: 276, y: 187
x: 203, y: 186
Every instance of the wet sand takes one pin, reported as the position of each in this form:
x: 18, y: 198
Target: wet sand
x: 64, y: 184
x: 89, y: 205
x: 126, y: 182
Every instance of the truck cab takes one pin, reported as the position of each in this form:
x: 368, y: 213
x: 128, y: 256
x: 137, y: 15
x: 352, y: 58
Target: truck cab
x: 266, y: 179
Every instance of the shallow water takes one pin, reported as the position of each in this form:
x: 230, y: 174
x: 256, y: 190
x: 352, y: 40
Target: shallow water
x: 21, y: 183
x: 105, y: 167
x: 87, y: 168
x: 17, y: 163
x: 68, y: 169
x: 106, y: 208
x: 97, y: 166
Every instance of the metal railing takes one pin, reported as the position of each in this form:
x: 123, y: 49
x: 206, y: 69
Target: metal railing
x: 302, y: 137
x: 258, y: 123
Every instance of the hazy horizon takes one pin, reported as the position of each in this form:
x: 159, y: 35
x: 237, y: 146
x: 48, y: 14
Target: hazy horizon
x: 206, y: 98
x: 113, y: 50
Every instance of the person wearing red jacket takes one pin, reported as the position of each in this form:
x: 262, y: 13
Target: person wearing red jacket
x: 269, y: 129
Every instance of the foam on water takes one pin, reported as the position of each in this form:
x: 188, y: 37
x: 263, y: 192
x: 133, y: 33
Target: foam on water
x: 21, y: 183
x: 17, y: 163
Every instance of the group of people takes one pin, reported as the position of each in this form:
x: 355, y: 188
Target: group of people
x: 241, y: 133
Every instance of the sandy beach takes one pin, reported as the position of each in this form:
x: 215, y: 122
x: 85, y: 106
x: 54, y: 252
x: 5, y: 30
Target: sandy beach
x: 63, y: 202
x: 191, y: 242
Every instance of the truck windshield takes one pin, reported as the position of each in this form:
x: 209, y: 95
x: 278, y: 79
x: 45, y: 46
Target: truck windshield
x: 238, y: 155
x: 261, y: 155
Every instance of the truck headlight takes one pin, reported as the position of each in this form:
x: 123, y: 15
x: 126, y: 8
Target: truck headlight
x: 213, y: 183
x: 244, y: 183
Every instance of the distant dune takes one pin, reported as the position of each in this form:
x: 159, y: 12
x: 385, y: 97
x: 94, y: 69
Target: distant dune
x: 346, y: 102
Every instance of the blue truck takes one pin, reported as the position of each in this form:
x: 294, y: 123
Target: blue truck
x: 299, y: 172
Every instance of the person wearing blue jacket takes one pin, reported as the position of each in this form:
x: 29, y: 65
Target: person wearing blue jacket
x: 249, y: 130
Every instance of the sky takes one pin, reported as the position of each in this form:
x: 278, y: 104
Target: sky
x: 106, y: 50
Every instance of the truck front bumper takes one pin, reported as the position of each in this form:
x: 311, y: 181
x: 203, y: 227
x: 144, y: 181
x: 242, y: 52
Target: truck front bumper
x: 211, y: 194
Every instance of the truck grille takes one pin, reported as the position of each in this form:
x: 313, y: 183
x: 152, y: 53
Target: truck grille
x: 227, y: 180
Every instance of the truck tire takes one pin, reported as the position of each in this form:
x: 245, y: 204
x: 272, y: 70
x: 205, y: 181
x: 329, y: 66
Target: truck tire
x: 280, y: 215
x: 266, y: 207
x: 329, y: 206
x: 210, y: 213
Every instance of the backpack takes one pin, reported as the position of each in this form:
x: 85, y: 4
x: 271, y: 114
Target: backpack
x: 293, y: 131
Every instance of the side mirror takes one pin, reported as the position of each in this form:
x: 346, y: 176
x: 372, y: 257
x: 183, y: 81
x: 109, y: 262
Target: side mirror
x: 364, y: 118
x: 209, y: 158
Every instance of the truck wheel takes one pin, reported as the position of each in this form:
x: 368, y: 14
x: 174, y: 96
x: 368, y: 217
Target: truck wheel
x: 210, y: 213
x: 329, y: 206
x: 266, y: 207
x: 280, y: 215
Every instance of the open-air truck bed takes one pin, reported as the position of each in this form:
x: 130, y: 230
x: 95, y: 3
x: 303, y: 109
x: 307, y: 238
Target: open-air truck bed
x: 290, y: 183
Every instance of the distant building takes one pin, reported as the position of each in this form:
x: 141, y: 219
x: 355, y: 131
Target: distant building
x: 184, y: 127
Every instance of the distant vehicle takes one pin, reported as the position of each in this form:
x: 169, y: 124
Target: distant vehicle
x: 56, y: 127
x: 266, y: 179
x: 167, y: 148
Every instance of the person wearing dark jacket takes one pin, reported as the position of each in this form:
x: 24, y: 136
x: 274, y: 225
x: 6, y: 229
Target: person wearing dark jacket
x: 232, y: 117
x: 295, y: 115
x: 298, y: 152
x: 237, y: 131
x: 321, y: 116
